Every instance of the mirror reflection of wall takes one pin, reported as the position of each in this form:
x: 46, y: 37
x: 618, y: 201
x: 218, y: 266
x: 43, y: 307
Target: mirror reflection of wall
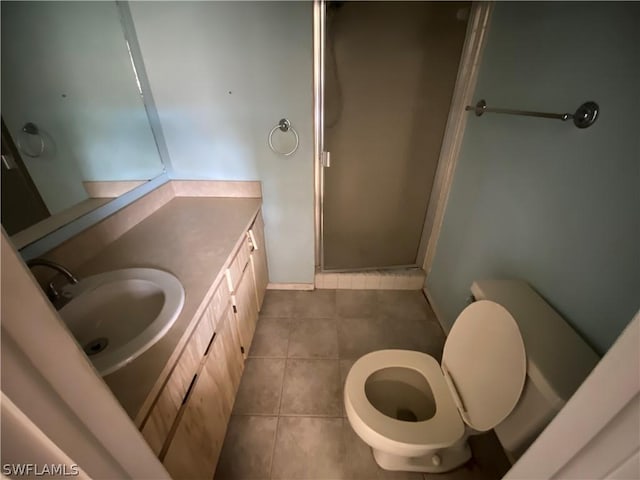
x: 72, y: 104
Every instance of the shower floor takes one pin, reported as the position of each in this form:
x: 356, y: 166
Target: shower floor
x: 288, y: 420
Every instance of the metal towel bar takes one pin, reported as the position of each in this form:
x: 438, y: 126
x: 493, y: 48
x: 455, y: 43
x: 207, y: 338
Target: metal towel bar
x: 584, y: 117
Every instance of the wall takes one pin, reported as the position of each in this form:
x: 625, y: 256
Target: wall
x: 222, y: 75
x: 541, y: 200
x: 66, y: 68
x: 386, y: 111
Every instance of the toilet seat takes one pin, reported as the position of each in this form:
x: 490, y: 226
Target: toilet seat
x: 440, y: 431
x: 485, y: 364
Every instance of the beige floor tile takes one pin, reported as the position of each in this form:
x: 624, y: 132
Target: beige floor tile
x: 247, y: 449
x: 360, y: 463
x: 418, y: 335
x: 315, y: 304
x: 345, y: 366
x: 309, y: 448
x: 278, y: 303
x: 271, y: 338
x: 408, y: 304
x: 356, y: 303
x: 311, y: 387
x: 358, y: 336
x: 260, y: 387
x: 313, y: 337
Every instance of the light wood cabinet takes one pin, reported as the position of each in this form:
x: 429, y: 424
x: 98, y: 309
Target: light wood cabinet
x: 228, y: 363
x: 158, y: 425
x: 188, y: 422
x: 259, y: 258
x: 197, y: 441
x: 246, y: 309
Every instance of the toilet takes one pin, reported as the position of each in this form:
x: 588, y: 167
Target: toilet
x: 510, y: 363
x: 416, y: 414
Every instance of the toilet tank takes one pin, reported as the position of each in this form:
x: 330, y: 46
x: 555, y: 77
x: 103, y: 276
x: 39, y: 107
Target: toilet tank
x: 558, y: 361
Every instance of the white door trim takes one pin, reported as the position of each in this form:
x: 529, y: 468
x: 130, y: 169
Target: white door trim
x: 473, y: 48
x: 597, y: 434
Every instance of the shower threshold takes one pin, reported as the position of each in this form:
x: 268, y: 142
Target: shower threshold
x: 396, y: 278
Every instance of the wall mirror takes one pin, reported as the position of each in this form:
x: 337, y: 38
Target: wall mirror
x: 75, y: 131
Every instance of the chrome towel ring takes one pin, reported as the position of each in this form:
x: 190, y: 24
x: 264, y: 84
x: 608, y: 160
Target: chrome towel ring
x: 284, y: 125
x: 31, y: 129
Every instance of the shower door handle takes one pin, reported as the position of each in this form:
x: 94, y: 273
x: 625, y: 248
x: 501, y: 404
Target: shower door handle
x: 325, y: 158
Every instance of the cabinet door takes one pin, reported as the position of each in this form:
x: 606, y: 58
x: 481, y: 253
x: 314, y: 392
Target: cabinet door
x: 225, y: 361
x: 247, y: 309
x: 157, y: 427
x: 259, y: 259
x: 196, y: 444
x: 198, y: 439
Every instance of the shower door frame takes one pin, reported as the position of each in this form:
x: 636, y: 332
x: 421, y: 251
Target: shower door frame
x: 472, y: 49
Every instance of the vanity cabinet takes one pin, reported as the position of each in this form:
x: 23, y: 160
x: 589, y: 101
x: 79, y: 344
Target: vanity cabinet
x: 258, y: 258
x: 158, y: 425
x: 197, y: 441
x: 187, y: 424
x: 246, y: 308
x: 241, y: 278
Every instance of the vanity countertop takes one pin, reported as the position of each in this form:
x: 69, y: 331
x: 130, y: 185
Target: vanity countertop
x: 192, y: 238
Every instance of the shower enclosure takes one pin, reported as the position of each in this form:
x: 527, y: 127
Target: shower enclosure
x: 386, y: 72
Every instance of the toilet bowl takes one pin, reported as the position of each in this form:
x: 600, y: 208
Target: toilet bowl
x: 416, y: 414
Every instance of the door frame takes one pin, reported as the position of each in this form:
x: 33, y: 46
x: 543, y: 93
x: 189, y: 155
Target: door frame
x: 473, y: 47
x: 319, y: 21
x: 598, y: 428
x: 465, y: 86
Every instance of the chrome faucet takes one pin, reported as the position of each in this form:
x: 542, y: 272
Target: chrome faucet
x: 52, y: 292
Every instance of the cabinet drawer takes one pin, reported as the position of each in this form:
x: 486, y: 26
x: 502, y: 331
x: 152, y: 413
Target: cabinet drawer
x: 234, y: 272
x: 163, y: 414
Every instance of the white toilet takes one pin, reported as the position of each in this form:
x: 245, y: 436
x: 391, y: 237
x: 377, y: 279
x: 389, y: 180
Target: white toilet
x: 416, y: 414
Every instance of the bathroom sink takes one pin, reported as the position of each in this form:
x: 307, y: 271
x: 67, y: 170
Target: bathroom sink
x: 118, y: 315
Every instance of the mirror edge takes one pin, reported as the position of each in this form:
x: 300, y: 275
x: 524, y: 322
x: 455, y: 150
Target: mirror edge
x: 73, y: 228
x: 140, y: 70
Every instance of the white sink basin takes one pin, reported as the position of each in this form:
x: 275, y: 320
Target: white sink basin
x: 116, y: 316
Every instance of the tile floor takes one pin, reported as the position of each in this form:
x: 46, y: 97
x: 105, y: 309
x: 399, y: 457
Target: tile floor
x: 288, y: 420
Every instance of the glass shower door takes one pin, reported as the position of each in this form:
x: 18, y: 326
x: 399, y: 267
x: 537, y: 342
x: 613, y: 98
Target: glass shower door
x: 389, y: 73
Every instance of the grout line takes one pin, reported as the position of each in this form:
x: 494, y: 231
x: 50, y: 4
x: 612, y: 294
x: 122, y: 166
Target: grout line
x: 284, y: 376
x: 287, y: 415
x: 338, y: 346
x: 273, y: 448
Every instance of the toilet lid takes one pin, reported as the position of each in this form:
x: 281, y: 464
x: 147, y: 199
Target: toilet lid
x: 485, y: 364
